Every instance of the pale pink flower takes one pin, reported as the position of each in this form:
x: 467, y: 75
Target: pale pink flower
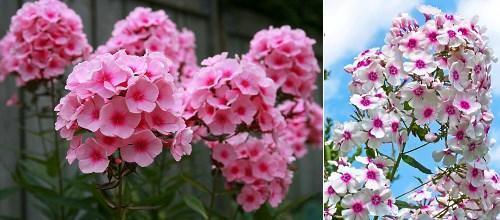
x: 142, y: 147
x: 116, y: 120
x: 378, y: 202
x: 182, y: 144
x: 92, y: 157
x: 224, y: 153
x: 89, y: 116
x: 164, y: 121
x: 250, y: 199
x: 373, y: 177
x: 345, y: 180
x: 376, y: 124
x: 141, y: 95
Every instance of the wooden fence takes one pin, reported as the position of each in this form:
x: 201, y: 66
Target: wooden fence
x: 217, y: 27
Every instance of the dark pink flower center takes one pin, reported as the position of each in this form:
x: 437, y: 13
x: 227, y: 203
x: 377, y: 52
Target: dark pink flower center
x: 376, y: 200
x: 450, y: 110
x: 393, y: 70
x: 455, y: 75
x: 460, y: 135
x: 357, y: 207
x: 377, y: 123
x: 477, y: 69
x: 141, y: 145
x: 464, y: 104
x: 420, y: 64
x: 412, y: 43
x: 451, y: 33
x: 138, y: 96
x: 432, y: 36
x: 347, y: 135
x: 475, y: 172
x: 373, y: 76
x: 365, y: 101
x: 371, y: 175
x: 419, y: 91
x: 118, y: 118
x: 395, y: 126
x: 330, y: 190
x: 346, y: 177
x: 428, y: 112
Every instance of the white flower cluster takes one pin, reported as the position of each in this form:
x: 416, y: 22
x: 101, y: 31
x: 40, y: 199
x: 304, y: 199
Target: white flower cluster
x: 432, y: 82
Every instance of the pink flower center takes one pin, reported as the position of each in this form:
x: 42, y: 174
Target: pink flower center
x: 331, y: 191
x: 235, y: 170
x: 377, y: 123
x: 428, y: 112
x: 240, y: 110
x: 395, y: 126
x: 451, y: 33
x: 477, y: 69
x: 464, y: 31
x: 95, y: 114
x: 472, y: 147
x: 376, y: 200
x: 420, y: 64
x: 460, y: 135
x: 372, y: 76
x: 475, y: 172
x: 140, y: 146
x: 95, y: 156
x: 365, y: 101
x: 371, y: 175
x: 347, y: 135
x: 455, y: 75
x: 432, y: 36
x: 357, y: 207
x: 224, y: 154
x: 464, y: 104
x: 138, y: 96
x: 250, y: 198
x: 393, y: 70
x: 346, y: 177
x: 412, y: 43
x: 419, y: 91
x: 263, y: 167
x: 450, y: 110
x: 108, y: 140
x: 209, y: 80
x: 245, y: 83
x: 118, y: 119
x: 222, y: 119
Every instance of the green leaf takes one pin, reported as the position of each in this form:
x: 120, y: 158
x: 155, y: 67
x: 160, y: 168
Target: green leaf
x: 195, y: 183
x: 296, y: 204
x: 370, y: 152
x: 263, y: 213
x: 402, y: 204
x: 414, y: 163
x: 407, y: 106
x: 6, y: 192
x: 195, y: 204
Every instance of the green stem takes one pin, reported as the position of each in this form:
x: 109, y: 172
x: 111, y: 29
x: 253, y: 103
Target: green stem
x: 120, y: 206
x: 53, y: 94
x: 212, y: 193
x: 414, y: 149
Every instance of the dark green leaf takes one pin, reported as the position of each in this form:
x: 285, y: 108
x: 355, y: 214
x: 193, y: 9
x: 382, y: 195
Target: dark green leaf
x: 263, y: 213
x: 195, y: 183
x: 370, y: 152
x: 6, y: 192
x: 196, y: 205
x: 414, y: 163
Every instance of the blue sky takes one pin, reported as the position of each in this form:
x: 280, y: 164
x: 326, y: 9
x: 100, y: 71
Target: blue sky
x: 352, y: 26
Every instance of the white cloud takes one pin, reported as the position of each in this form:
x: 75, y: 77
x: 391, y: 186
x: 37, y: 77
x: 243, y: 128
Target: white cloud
x: 331, y: 88
x: 349, y: 26
x: 487, y: 10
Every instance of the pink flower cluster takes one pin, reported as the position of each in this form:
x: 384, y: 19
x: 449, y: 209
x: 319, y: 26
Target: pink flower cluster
x: 258, y: 165
x: 44, y: 38
x: 228, y: 95
x: 432, y: 81
x: 130, y: 104
x: 288, y: 57
x: 304, y: 125
x: 146, y: 30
